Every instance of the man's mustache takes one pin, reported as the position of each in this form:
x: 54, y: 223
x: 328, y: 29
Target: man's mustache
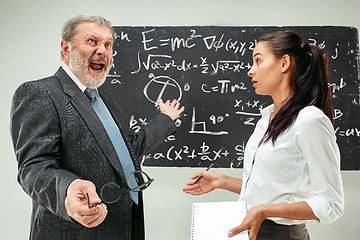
x: 98, y: 58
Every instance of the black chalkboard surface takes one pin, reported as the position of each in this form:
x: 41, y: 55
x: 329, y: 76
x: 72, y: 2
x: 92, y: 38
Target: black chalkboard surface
x: 205, y: 67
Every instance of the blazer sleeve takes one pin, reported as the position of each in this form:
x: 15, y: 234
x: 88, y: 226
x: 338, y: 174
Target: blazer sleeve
x: 149, y: 136
x: 36, y: 134
x: 152, y: 135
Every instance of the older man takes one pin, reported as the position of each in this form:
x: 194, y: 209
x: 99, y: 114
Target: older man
x: 69, y: 143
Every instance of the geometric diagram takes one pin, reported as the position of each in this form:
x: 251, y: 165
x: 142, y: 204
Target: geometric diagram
x: 202, y: 126
x: 162, y: 86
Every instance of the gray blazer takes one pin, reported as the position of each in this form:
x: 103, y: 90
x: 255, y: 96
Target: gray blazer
x: 58, y: 138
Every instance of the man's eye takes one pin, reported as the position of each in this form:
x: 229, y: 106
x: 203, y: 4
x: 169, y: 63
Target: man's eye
x: 91, y: 41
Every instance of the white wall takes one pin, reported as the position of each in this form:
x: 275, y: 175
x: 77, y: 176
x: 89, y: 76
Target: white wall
x: 29, y: 44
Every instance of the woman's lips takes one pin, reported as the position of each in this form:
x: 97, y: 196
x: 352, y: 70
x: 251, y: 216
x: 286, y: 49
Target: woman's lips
x: 254, y: 82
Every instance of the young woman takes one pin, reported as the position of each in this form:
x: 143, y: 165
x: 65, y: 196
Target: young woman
x: 292, y: 162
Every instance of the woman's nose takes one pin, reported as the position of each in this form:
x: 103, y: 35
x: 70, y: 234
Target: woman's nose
x: 251, y: 72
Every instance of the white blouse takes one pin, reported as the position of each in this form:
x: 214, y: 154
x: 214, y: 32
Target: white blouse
x: 302, y: 165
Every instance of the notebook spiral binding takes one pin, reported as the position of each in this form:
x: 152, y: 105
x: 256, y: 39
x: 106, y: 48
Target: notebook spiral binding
x: 192, y: 222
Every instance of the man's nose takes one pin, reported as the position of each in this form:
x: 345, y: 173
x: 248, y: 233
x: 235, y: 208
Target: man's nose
x: 101, y: 49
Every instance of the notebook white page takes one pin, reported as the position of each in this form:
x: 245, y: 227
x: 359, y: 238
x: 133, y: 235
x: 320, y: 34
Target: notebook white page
x: 213, y: 220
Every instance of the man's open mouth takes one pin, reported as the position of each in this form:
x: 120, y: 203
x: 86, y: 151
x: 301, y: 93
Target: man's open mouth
x: 97, y: 66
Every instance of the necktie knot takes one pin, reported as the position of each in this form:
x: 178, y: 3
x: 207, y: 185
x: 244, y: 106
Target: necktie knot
x: 91, y: 93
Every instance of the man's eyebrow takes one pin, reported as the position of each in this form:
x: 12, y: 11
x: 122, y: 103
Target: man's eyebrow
x: 91, y: 35
x: 97, y: 37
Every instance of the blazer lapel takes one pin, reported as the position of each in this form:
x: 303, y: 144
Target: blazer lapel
x: 83, y: 106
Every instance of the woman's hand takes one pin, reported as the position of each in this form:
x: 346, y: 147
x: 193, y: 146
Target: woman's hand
x: 211, y: 180
x: 251, y: 222
x: 257, y: 214
x: 208, y: 182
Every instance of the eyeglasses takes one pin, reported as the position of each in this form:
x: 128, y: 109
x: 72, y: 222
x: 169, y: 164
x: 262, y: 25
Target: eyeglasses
x: 111, y: 192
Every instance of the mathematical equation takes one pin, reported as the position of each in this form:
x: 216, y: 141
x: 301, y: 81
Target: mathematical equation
x: 166, y: 62
x: 151, y: 41
x: 203, y: 125
x: 203, y: 153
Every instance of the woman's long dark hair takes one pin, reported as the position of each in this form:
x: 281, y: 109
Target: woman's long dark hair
x: 310, y: 80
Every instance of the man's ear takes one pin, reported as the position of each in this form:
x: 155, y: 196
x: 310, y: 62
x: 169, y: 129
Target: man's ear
x: 65, y: 49
x: 285, y: 63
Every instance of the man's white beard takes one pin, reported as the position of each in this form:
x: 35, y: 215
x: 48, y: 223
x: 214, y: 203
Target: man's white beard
x: 80, y: 67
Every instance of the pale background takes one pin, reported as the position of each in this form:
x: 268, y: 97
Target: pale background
x: 29, y: 49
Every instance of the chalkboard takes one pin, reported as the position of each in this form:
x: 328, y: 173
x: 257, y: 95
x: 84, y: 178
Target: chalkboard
x: 205, y: 67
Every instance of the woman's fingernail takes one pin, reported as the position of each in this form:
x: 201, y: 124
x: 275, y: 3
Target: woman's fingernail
x: 230, y: 234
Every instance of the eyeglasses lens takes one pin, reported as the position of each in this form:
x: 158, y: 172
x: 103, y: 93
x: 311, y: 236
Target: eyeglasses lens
x: 110, y: 192
x: 137, y: 182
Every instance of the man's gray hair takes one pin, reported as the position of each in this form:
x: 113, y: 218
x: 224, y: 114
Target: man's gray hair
x: 70, y: 27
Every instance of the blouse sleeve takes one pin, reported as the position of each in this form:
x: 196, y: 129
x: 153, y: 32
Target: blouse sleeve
x: 316, y: 141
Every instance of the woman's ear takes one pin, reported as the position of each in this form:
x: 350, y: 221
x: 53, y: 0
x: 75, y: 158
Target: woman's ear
x: 285, y: 63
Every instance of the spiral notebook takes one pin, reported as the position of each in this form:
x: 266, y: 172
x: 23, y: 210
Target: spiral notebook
x: 213, y: 220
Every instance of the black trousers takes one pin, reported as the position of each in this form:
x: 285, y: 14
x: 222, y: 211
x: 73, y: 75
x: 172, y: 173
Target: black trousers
x: 137, y: 224
x: 269, y: 230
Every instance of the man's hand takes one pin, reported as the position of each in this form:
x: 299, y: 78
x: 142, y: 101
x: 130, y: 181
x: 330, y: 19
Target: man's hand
x: 76, y: 204
x: 170, y: 109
